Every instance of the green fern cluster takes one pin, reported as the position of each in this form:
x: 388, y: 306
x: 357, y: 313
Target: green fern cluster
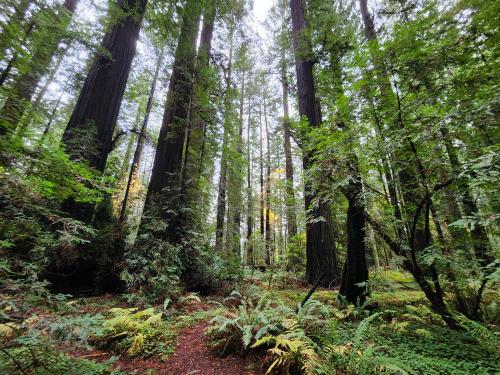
x: 143, y: 332
x: 359, y: 356
x: 258, y: 321
x: 292, y: 350
x: 236, y: 330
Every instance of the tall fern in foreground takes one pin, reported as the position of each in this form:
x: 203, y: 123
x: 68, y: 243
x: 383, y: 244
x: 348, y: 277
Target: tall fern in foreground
x: 236, y: 330
x: 291, y: 350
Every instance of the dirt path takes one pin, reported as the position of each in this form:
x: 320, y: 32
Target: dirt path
x: 192, y: 357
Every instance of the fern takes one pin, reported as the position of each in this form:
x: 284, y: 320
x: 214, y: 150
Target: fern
x: 254, y: 318
x: 136, y: 326
x: 291, y: 349
x: 483, y: 335
x: 362, y: 328
x: 190, y: 299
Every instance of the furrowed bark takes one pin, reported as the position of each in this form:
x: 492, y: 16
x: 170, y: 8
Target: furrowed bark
x: 320, y: 250
x: 94, y: 116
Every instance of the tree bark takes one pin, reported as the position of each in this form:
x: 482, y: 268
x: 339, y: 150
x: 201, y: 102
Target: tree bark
x: 201, y: 113
x: 166, y: 179
x: 236, y: 181
x: 355, y: 271
x: 268, y: 245
x: 291, y: 218
x: 250, y: 221
x: 320, y: 250
x: 89, y: 133
x: 222, y: 189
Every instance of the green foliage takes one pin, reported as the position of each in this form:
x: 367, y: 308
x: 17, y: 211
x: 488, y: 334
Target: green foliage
x: 290, y: 350
x: 255, y: 315
x: 141, y: 330
x: 75, y: 329
x: 44, y: 359
x: 236, y: 330
x: 152, y: 266
x: 485, y: 338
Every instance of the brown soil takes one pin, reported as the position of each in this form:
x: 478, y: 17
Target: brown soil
x: 191, y: 357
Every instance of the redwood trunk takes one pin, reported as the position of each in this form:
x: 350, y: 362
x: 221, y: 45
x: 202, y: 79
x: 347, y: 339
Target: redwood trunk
x: 320, y: 250
x: 98, y: 105
x: 166, y: 179
x: 291, y: 218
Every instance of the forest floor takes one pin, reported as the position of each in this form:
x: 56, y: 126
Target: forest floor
x: 107, y: 335
x: 187, y: 349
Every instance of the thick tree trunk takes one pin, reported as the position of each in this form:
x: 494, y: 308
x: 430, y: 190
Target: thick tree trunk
x: 26, y: 84
x: 166, y: 179
x: 320, y: 250
x: 355, y: 271
x: 89, y: 134
x: 201, y: 113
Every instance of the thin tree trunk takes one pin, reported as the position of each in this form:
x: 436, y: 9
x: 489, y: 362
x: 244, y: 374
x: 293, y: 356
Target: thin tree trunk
x: 250, y: 222
x: 261, y: 162
x: 222, y: 190
x: 237, y: 183
x: 478, y: 234
x: 136, y: 161
x: 26, y: 83
x: 268, y: 252
x: 291, y: 218
x: 410, y: 174
x: 50, y: 78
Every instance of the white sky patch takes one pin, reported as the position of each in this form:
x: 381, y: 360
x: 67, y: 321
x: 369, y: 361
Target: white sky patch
x: 261, y: 8
x: 260, y: 11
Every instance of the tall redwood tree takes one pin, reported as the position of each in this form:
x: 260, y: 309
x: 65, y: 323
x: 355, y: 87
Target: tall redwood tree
x: 320, y: 251
x: 89, y: 134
